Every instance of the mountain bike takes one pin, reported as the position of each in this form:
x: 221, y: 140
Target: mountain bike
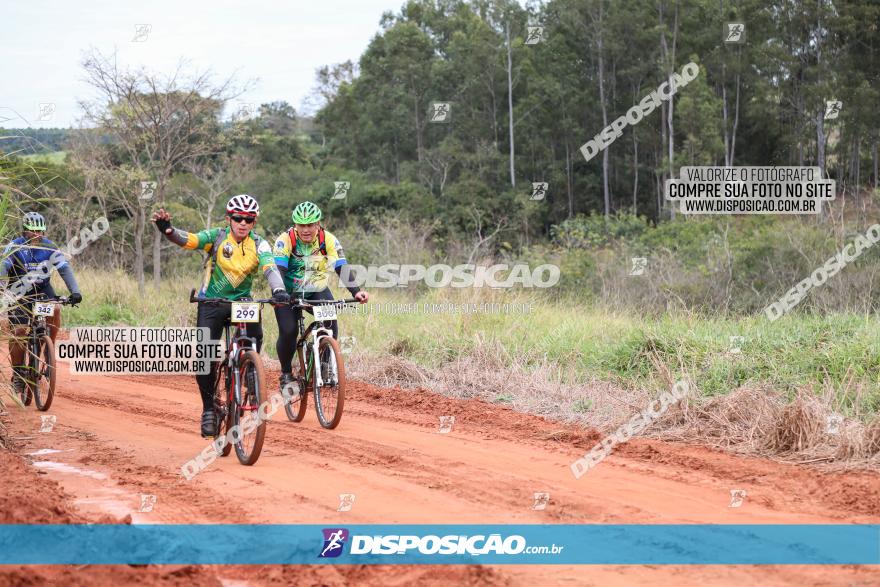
x: 244, y: 382
x: 327, y: 380
x: 39, y: 368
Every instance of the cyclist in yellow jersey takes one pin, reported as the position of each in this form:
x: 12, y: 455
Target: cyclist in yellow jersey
x: 305, y: 255
x: 237, y: 254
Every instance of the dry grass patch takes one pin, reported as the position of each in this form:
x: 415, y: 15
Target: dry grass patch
x: 751, y: 420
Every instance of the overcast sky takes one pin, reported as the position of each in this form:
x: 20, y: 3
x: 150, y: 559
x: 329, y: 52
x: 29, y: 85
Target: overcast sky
x: 279, y: 44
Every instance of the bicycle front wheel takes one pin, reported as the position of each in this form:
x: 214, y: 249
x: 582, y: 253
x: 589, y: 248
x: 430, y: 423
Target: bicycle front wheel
x: 43, y: 373
x: 330, y: 396
x: 245, y: 416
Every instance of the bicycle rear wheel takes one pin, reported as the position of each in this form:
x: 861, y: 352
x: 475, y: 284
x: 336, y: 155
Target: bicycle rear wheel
x: 43, y: 373
x: 330, y: 397
x: 222, y: 415
x: 296, y: 407
x: 245, y: 416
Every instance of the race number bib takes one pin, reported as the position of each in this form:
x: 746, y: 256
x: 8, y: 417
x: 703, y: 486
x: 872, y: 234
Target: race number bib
x: 325, y: 312
x: 245, y: 312
x: 44, y: 309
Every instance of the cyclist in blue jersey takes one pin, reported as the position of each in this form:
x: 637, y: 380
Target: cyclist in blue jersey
x: 25, y: 269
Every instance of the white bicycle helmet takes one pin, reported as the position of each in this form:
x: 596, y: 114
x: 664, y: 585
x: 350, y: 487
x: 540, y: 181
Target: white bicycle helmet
x: 242, y: 203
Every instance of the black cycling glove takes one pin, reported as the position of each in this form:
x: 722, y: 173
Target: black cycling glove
x: 163, y: 225
x: 280, y: 296
x: 75, y: 298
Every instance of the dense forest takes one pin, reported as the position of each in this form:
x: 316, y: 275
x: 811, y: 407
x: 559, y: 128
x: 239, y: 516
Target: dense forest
x: 525, y: 88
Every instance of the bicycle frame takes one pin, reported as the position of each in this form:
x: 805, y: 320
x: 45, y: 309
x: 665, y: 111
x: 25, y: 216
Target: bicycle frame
x: 37, y: 324
x: 235, y: 345
x: 234, y: 348
x: 317, y: 331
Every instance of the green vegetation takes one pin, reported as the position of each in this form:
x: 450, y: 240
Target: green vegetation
x: 458, y: 192
x: 840, y: 352
x: 54, y: 157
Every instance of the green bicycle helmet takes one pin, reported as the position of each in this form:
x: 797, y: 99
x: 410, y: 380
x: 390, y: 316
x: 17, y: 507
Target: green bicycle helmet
x: 306, y: 213
x: 33, y: 221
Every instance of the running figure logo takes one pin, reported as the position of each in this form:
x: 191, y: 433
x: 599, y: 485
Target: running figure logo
x: 539, y: 190
x: 446, y: 424
x: 736, y: 32
x: 736, y: 343
x: 638, y: 265
x: 346, y: 344
x: 541, y: 500
x: 47, y: 423
x: 147, y: 503
x: 148, y: 188
x: 334, y: 540
x: 832, y: 109
x: 141, y: 32
x: 440, y: 112
x: 737, y: 496
x: 535, y: 35
x: 45, y: 111
x: 341, y: 189
x: 346, y: 501
x: 832, y: 423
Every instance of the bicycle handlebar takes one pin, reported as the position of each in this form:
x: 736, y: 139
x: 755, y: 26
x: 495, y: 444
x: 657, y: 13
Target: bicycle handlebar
x: 193, y: 298
x: 64, y: 301
x: 298, y: 303
x: 294, y: 303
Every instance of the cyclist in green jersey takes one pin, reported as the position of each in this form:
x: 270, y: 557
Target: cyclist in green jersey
x: 237, y: 254
x: 306, y: 254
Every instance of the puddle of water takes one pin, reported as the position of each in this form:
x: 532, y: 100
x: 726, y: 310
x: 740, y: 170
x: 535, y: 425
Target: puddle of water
x: 98, y: 497
x: 69, y: 469
x: 45, y: 451
x: 110, y: 500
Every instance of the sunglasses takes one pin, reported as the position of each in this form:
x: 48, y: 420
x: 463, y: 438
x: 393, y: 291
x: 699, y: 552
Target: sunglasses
x: 245, y: 219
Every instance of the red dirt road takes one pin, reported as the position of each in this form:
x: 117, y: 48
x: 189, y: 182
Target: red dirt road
x: 126, y: 436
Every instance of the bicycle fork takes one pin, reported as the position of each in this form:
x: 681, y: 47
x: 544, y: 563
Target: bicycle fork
x: 317, y: 335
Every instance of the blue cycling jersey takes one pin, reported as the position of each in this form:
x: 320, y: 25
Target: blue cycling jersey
x: 21, y: 257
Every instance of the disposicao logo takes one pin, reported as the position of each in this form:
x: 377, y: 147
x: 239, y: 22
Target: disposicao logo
x: 334, y: 541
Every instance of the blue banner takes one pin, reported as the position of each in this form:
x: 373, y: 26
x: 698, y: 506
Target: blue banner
x: 620, y: 544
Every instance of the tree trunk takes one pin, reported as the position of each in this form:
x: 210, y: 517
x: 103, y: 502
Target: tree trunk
x: 820, y: 118
x: 638, y: 90
x: 875, y: 164
x: 658, y: 184
x: 735, y: 123
x: 820, y: 141
x: 568, y: 179
x: 724, y: 118
x: 510, y: 105
x: 157, y: 238
x: 664, y: 125
x: 635, y: 172
x: 140, y: 222
x: 418, y: 125
x: 669, y: 119
x: 605, y: 191
x: 494, y: 114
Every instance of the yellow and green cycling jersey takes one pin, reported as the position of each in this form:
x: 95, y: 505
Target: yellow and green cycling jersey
x: 307, y: 268
x: 230, y: 274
